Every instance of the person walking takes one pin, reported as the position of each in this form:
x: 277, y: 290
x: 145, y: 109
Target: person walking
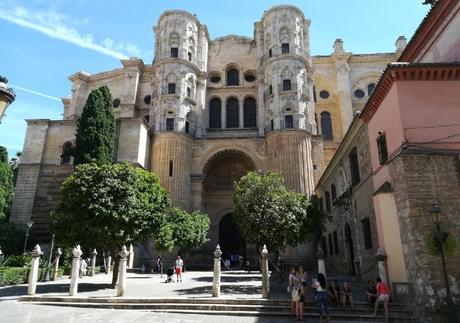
x: 179, y: 266
x: 159, y: 265
x: 291, y: 287
x: 320, y: 285
x: 303, y: 276
x: 383, y: 296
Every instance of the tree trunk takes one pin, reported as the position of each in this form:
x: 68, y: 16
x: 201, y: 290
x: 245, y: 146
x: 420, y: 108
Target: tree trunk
x: 115, y: 270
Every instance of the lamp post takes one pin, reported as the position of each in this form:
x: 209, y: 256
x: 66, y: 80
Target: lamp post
x: 29, y: 225
x: 7, y: 96
x: 441, y: 238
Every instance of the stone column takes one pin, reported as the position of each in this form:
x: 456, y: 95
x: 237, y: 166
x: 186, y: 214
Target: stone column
x: 74, y: 272
x: 93, y: 262
x: 131, y: 257
x: 33, y: 274
x: 265, y: 274
x: 122, y: 271
x: 56, y: 263
x: 1, y: 254
x: 321, y: 262
x: 382, y: 265
x: 216, y: 277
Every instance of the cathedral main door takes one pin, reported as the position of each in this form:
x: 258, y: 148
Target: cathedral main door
x: 222, y: 171
x: 230, y: 240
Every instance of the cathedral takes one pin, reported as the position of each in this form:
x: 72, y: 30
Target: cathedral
x: 207, y: 111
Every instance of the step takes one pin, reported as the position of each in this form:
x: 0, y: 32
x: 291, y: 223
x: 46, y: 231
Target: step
x: 191, y: 300
x: 226, y: 310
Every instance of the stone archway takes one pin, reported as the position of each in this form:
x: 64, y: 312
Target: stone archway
x: 220, y: 173
x: 230, y: 240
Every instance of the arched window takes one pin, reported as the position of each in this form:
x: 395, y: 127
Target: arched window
x: 370, y: 88
x: 354, y: 167
x: 326, y: 125
x: 232, y: 113
x: 249, y: 111
x: 328, y: 201
x: 233, y: 77
x: 333, y: 193
x: 214, y: 113
x: 66, y: 153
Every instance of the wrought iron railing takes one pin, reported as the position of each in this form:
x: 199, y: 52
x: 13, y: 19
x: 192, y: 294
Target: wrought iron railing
x: 277, y: 51
x: 287, y: 124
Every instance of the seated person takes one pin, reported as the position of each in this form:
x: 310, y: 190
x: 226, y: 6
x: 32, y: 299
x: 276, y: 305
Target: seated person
x: 371, y: 292
x: 333, y: 292
x: 347, y: 295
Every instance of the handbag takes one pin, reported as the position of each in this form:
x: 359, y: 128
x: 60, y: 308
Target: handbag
x: 295, y: 295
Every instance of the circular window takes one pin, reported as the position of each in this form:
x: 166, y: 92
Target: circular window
x: 116, y: 103
x: 324, y: 94
x: 359, y: 94
x: 215, y: 77
x: 147, y: 99
x: 249, y: 77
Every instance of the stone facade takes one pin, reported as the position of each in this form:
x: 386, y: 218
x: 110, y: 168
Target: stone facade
x: 207, y: 111
x: 350, y: 240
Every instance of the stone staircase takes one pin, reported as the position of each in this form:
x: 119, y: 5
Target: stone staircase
x: 222, y: 306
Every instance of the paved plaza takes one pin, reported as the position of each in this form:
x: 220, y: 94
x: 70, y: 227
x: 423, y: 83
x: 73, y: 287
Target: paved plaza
x: 236, y: 284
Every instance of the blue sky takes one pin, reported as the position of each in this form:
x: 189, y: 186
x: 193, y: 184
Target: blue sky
x: 45, y: 41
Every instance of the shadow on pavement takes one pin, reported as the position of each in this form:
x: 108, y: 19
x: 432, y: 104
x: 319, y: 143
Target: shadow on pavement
x: 229, y: 279
x: 225, y: 289
x: 51, y: 288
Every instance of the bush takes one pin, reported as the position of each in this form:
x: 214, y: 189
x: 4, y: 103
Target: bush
x: 13, y: 276
x: 17, y: 261
x: 11, y: 238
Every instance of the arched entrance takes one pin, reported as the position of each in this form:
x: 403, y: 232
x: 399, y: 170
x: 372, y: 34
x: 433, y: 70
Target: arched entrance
x: 230, y: 240
x: 220, y: 174
x: 351, y: 253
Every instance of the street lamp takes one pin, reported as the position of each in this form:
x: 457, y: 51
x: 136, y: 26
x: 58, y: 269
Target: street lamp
x: 7, y: 96
x: 29, y: 225
x: 441, y: 238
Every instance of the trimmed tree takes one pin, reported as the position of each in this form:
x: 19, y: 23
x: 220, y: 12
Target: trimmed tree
x: 108, y: 206
x: 183, y: 230
x: 95, y: 136
x: 268, y: 213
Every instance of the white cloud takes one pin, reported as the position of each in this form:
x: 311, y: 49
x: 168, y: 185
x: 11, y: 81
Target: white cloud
x: 35, y: 92
x: 58, y: 26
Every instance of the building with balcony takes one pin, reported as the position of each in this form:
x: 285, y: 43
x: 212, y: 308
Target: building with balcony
x: 207, y: 111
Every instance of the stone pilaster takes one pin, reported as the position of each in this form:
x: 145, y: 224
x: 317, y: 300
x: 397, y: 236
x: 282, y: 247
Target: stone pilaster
x: 342, y: 69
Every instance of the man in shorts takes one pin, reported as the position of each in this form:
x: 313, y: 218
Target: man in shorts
x: 179, y: 265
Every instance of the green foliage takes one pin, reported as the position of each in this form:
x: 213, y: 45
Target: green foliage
x: 13, y: 276
x: 184, y: 230
x: 17, y: 261
x: 108, y: 206
x: 433, y: 246
x: 11, y: 238
x: 268, y: 213
x: 95, y: 136
x: 6, y: 184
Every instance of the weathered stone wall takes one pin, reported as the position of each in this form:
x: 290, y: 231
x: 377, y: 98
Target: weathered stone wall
x: 290, y: 154
x: 352, y: 206
x: 420, y: 179
x: 170, y: 159
x: 47, y: 197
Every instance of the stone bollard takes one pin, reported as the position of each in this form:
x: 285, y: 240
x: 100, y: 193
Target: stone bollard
x: 57, y: 256
x: 122, y: 271
x: 265, y: 274
x: 93, y: 262
x: 33, y: 274
x: 131, y: 257
x: 321, y: 262
x: 1, y: 254
x: 381, y: 264
x: 216, y: 277
x: 75, y: 271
